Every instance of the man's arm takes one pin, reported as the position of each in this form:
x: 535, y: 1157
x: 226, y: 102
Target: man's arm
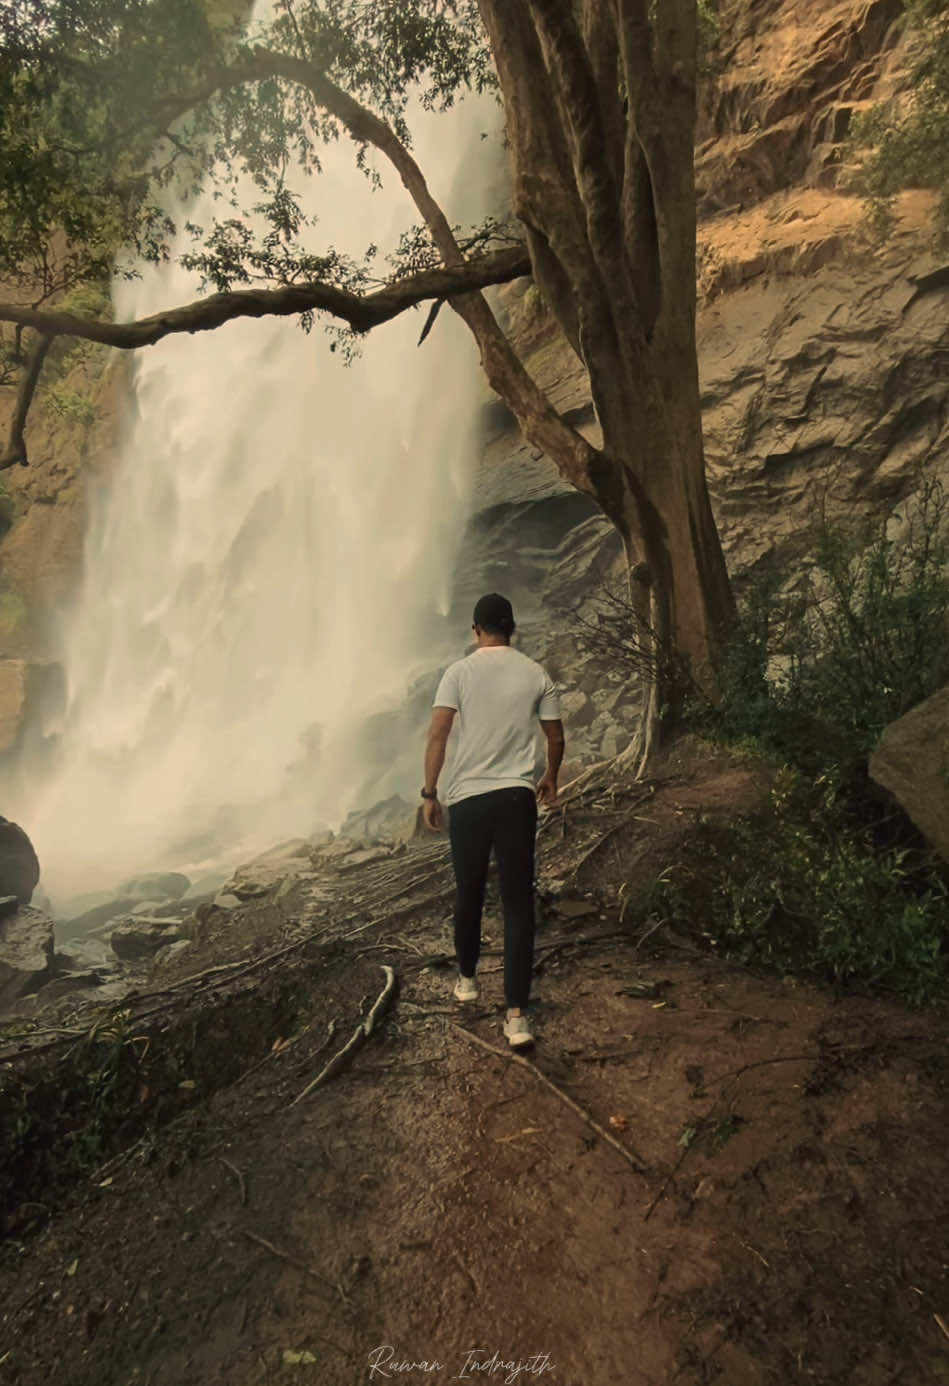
x: 438, y: 732
x: 547, y: 788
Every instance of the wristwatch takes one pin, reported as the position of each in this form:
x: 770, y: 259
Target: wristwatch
x: 427, y: 795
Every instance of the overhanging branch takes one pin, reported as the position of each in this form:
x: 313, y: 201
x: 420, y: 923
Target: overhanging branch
x: 361, y: 311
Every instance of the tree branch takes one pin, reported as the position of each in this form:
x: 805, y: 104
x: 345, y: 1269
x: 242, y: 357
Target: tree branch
x: 16, y: 442
x: 361, y: 311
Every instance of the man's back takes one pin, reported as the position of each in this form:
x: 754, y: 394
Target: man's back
x: 499, y: 695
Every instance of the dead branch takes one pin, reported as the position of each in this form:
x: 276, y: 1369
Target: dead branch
x: 290, y: 1260
x: 357, y: 1040
x: 629, y: 1155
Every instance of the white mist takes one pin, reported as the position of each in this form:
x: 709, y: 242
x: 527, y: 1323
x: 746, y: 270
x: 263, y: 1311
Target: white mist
x: 272, y: 556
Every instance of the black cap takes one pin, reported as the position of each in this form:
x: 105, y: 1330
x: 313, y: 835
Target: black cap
x: 494, y: 614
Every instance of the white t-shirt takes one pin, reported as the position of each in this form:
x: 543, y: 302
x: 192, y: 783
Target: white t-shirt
x: 499, y: 695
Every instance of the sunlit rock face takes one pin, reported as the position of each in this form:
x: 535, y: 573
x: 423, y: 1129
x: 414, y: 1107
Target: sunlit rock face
x: 269, y: 569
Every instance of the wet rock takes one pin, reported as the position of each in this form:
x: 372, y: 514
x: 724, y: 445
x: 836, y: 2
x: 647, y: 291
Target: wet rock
x: 110, y: 908
x: 227, y: 900
x: 26, y: 954
x: 256, y: 879
x: 911, y: 760
x: 365, y: 856
x: 296, y: 848
x: 19, y: 867
x: 391, y: 818
x: 207, y: 885
x: 157, y: 885
x: 171, y: 951
x: 138, y: 937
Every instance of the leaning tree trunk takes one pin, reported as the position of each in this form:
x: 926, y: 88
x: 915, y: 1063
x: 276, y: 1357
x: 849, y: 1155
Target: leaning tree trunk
x: 600, y: 104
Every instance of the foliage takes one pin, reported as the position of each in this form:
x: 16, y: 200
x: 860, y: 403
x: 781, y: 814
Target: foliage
x: 803, y: 887
x: 105, y: 103
x: 816, y: 676
x: 824, y: 881
x: 905, y: 143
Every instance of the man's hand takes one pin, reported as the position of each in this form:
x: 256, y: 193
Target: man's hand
x: 432, y: 814
x: 547, y: 790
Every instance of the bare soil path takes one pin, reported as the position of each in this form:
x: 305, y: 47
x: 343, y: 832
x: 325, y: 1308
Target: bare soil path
x: 437, y: 1212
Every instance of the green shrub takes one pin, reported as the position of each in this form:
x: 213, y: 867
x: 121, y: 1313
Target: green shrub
x: 815, y: 677
x: 803, y: 887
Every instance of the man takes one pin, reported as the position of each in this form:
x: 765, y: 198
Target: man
x: 498, y: 695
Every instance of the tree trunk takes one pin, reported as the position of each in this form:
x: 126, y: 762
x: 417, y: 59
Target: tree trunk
x: 600, y: 103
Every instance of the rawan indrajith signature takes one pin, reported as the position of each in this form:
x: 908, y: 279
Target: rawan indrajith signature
x: 385, y: 1362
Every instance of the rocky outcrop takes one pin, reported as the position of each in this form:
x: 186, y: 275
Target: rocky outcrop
x: 26, y: 953
x: 911, y: 760
x: 19, y: 867
x: 139, y: 936
x: 156, y: 885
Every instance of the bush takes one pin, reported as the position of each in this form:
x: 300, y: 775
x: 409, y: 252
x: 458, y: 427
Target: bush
x: 829, y: 881
x: 815, y: 677
x: 802, y: 887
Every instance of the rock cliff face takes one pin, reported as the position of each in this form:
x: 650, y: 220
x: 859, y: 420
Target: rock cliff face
x: 823, y: 360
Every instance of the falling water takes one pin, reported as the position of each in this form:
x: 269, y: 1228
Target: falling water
x: 269, y: 568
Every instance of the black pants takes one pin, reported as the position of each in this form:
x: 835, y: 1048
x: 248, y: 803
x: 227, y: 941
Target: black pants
x: 505, y: 819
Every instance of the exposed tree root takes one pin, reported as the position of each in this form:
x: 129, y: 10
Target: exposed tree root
x: 629, y: 1155
x: 357, y: 1040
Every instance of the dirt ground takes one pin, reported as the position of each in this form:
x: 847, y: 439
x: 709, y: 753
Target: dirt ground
x: 776, y: 1211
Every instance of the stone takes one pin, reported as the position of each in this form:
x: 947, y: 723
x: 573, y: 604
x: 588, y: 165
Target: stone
x: 26, y: 954
x: 171, y: 951
x: 293, y: 849
x: 226, y: 900
x: 99, y: 914
x: 19, y: 867
x: 365, y: 856
x: 160, y: 885
x: 253, y: 880
x: 392, y: 818
x: 138, y: 937
x: 208, y: 884
x: 911, y: 760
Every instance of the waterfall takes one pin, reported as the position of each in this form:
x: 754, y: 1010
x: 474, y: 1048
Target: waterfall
x: 269, y: 566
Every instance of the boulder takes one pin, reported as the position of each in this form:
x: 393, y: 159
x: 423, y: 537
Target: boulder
x: 139, y: 937
x: 26, y: 954
x: 100, y: 914
x: 19, y: 867
x: 911, y: 760
x: 254, y: 880
x: 156, y: 885
x: 391, y: 818
x: 284, y: 851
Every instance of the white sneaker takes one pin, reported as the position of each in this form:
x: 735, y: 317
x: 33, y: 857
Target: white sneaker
x: 466, y: 989
x: 518, y: 1031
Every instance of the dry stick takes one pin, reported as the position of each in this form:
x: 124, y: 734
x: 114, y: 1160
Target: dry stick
x: 610, y: 832
x: 291, y: 1260
x: 631, y: 1156
x: 359, y: 1037
x: 240, y: 1178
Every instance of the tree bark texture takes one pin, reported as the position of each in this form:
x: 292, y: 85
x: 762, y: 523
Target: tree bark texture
x: 599, y: 98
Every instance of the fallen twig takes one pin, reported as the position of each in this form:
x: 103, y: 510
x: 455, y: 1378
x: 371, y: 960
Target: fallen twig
x: 678, y: 1164
x: 238, y: 1175
x: 762, y: 1063
x: 291, y: 1260
x: 357, y: 1040
x: 628, y: 1154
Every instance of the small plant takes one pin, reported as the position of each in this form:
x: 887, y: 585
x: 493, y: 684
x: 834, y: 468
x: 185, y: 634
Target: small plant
x: 802, y: 887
